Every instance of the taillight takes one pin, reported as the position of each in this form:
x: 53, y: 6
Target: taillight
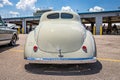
x: 84, y: 48
x: 35, y: 48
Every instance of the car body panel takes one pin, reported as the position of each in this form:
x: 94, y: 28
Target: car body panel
x: 54, y: 40
x: 60, y: 41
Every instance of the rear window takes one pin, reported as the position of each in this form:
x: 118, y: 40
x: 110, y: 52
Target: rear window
x: 66, y: 16
x: 53, y: 16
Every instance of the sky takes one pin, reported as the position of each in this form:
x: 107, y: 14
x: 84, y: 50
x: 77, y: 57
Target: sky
x: 22, y: 8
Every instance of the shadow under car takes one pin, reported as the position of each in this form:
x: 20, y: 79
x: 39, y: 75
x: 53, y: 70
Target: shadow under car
x: 63, y: 69
x: 6, y: 47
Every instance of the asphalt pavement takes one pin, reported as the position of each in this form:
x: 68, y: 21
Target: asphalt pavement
x: 14, y: 67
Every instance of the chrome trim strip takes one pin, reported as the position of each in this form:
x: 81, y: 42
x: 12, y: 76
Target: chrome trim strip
x: 62, y: 60
x: 30, y: 58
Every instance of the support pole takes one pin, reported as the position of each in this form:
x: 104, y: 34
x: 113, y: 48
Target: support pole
x: 22, y: 30
x: 94, y: 30
x: 18, y: 30
x: 24, y: 26
x: 101, y: 30
x: 98, y: 24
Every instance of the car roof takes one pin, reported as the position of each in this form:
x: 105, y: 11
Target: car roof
x: 75, y: 15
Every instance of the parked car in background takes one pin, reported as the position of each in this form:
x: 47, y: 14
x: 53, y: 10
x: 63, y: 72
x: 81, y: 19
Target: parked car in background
x: 12, y: 26
x: 7, y: 35
x: 60, y: 38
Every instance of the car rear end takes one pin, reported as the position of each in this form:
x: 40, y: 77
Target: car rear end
x: 59, y: 39
x: 61, y: 44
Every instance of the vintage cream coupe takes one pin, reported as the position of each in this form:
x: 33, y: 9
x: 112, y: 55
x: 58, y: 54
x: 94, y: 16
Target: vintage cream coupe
x: 60, y: 38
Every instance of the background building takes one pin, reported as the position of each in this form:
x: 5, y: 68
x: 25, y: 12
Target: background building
x: 96, y: 20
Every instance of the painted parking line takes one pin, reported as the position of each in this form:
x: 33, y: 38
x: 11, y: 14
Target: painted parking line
x: 108, y: 59
x: 102, y: 59
x: 17, y: 50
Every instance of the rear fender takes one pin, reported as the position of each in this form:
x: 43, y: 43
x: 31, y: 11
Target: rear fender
x: 89, y: 42
x: 30, y: 42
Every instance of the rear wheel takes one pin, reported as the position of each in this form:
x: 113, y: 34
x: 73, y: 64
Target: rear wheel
x: 13, y: 41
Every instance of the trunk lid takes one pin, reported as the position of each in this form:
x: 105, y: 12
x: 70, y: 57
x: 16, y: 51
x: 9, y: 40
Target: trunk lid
x: 64, y: 37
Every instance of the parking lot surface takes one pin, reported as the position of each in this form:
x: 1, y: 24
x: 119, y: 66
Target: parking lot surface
x: 14, y: 67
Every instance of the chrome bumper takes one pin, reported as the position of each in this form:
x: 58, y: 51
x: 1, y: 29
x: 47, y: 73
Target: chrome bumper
x: 62, y: 60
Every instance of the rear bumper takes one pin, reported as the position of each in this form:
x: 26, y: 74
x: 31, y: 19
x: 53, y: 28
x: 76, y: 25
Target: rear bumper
x: 62, y: 60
